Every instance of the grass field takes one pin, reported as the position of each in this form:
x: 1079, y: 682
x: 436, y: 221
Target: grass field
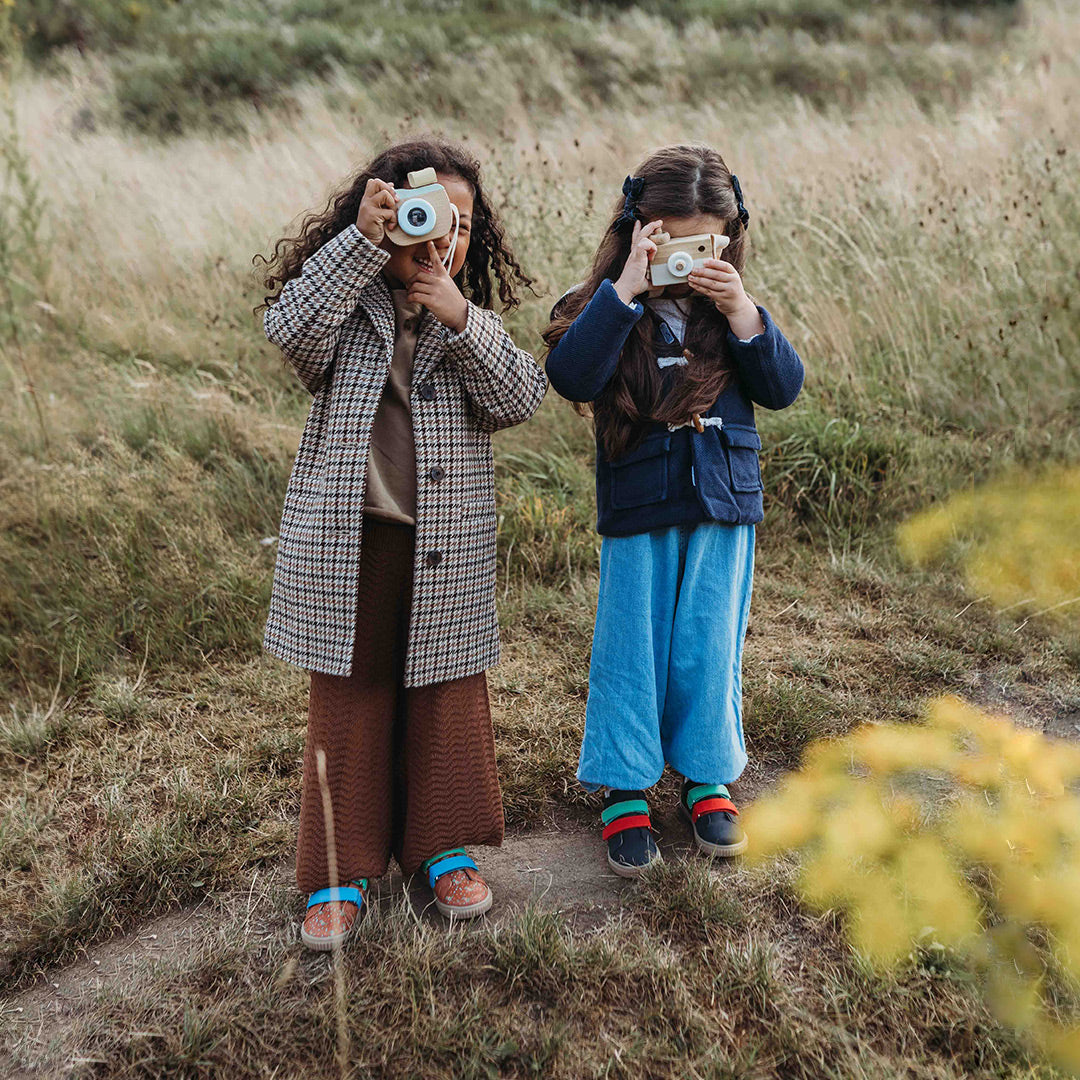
x: 916, y: 210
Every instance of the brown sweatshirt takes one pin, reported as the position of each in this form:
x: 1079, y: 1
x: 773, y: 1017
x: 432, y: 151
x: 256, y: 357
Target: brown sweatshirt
x: 391, y: 471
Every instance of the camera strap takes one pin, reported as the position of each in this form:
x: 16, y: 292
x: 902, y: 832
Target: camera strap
x: 448, y: 261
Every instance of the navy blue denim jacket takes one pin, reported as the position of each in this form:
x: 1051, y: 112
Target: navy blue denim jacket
x: 679, y: 477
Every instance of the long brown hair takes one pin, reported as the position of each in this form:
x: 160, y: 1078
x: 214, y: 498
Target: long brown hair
x: 489, y: 252
x: 680, y: 181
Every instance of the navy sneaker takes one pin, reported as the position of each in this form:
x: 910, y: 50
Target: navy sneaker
x: 631, y: 847
x: 712, y: 815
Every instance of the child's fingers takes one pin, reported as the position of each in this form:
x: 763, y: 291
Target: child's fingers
x: 652, y: 227
x: 437, y: 267
x: 720, y: 264
x: 712, y: 274
x: 379, y: 193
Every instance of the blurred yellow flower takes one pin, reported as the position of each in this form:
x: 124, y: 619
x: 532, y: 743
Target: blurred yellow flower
x: 1024, y: 534
x: 905, y: 872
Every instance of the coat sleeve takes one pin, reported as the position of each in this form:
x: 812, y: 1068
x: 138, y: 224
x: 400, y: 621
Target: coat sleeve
x: 504, y: 384
x: 305, y: 321
x: 769, y: 367
x: 586, y: 356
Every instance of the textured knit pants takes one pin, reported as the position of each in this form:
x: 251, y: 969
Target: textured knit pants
x: 410, y: 771
x: 665, y: 681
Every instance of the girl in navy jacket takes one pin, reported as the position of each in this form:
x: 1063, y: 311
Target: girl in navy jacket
x: 671, y: 381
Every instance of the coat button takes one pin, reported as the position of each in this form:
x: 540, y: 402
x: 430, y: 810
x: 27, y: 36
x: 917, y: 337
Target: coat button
x: 434, y: 558
x: 436, y: 473
x: 427, y: 391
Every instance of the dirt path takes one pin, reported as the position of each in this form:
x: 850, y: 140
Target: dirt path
x: 561, y: 869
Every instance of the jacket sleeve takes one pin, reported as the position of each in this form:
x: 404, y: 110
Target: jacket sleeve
x: 586, y: 356
x: 305, y: 321
x: 769, y: 368
x: 504, y: 384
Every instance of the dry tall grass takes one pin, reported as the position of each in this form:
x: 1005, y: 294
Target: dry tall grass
x: 888, y: 233
x: 893, y: 242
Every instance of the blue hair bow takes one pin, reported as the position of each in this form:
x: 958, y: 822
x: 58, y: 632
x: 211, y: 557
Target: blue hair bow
x: 632, y: 188
x: 744, y: 214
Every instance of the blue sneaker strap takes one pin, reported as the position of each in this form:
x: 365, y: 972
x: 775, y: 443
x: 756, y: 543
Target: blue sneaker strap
x: 705, y: 791
x: 353, y: 893
x: 446, y: 866
x: 439, y: 856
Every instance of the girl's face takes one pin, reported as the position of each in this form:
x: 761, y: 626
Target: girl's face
x: 405, y: 263
x: 690, y: 226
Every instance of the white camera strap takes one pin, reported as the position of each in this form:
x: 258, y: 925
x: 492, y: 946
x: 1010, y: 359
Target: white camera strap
x: 448, y: 259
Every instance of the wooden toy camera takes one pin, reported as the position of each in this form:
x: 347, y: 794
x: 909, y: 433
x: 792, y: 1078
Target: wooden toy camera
x: 424, y: 210
x: 674, y: 259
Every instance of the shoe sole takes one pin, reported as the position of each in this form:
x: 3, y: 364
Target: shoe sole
x: 625, y: 871
x: 468, y: 911
x: 326, y: 944
x: 720, y: 851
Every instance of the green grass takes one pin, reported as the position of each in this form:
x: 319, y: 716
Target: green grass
x: 182, y: 66
x: 149, y: 756
x: 709, y: 996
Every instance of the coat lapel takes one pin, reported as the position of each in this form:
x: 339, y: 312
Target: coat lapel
x: 376, y: 302
x: 429, y: 346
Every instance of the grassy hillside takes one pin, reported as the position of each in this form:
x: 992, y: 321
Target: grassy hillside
x: 184, y: 65
x: 915, y: 219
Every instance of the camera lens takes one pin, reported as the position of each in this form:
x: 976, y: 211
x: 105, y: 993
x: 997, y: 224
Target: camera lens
x: 416, y: 217
x: 680, y: 263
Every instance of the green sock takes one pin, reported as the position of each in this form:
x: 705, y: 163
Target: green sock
x: 426, y: 864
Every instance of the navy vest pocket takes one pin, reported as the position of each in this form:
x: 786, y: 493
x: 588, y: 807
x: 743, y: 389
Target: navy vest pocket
x: 743, y: 444
x: 640, y: 477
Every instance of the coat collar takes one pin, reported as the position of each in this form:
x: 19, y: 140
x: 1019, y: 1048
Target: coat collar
x: 376, y: 302
x: 429, y: 346
x: 379, y: 306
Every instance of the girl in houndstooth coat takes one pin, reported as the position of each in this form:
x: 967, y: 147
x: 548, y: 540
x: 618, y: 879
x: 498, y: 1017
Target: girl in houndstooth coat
x: 384, y: 587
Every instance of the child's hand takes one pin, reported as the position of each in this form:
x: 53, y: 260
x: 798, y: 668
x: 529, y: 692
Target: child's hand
x: 435, y: 289
x: 633, y: 279
x: 720, y: 282
x: 378, y: 208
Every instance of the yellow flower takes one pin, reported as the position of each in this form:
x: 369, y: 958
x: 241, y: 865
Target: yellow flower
x: 1063, y: 1046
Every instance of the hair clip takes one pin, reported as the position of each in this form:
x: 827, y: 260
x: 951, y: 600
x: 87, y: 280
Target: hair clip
x: 632, y: 189
x: 744, y: 214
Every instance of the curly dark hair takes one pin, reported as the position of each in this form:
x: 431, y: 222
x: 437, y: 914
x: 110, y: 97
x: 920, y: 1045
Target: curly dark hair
x: 679, y: 181
x: 489, y: 253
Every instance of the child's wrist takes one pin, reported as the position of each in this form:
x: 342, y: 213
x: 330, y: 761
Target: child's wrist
x: 458, y: 325
x: 745, y: 321
x: 623, y: 292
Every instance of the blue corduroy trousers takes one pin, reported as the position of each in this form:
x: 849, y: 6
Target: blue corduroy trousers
x: 665, y: 681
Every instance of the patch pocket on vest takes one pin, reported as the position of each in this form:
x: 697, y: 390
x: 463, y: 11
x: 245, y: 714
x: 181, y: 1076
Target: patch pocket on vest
x: 640, y: 477
x: 743, y: 444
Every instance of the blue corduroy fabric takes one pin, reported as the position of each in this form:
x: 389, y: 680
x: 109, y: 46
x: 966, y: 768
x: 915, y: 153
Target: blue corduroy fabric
x: 680, y: 477
x: 665, y: 681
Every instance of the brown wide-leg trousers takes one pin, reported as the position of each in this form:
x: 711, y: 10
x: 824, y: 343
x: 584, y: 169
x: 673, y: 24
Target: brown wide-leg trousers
x: 411, y: 771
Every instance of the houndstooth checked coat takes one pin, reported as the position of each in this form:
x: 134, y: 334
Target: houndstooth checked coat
x: 335, y: 325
